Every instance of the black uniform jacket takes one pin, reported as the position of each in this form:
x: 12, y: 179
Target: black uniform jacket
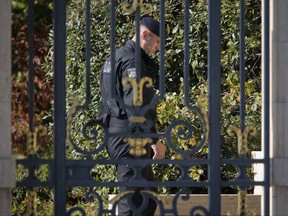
x: 125, y: 66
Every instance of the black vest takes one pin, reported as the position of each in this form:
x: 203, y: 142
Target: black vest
x: 120, y: 104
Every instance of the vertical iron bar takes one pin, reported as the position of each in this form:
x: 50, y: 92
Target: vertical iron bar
x: 162, y: 71
x: 137, y: 48
x: 186, y: 52
x: 112, y: 44
x: 214, y: 75
x: 266, y: 110
x: 31, y: 66
x: 162, y: 50
x: 242, y: 66
x: 87, y: 53
x: 59, y: 107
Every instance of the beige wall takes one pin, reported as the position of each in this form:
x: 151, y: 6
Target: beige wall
x: 279, y: 105
x: 7, y: 166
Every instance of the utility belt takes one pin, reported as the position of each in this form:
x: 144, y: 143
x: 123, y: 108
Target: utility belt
x: 118, y: 122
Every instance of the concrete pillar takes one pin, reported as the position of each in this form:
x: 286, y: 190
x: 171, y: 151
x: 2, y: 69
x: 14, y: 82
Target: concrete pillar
x: 7, y: 165
x: 279, y: 106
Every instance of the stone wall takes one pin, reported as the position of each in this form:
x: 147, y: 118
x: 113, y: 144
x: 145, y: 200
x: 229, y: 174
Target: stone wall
x: 7, y: 165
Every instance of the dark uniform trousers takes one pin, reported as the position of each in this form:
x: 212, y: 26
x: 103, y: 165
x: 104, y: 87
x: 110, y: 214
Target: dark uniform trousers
x: 118, y: 149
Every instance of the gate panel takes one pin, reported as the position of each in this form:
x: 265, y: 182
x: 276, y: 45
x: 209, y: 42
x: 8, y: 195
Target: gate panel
x: 66, y: 172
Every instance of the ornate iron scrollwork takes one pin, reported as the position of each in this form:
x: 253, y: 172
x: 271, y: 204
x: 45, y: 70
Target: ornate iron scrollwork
x: 91, y: 135
x: 242, y: 137
x: 183, y: 130
x: 205, y: 116
x: 145, y: 193
x: 138, y: 145
x: 138, y: 88
x: 70, y: 115
x: 242, y: 150
x: 32, y: 137
x: 138, y: 94
x: 242, y: 202
x: 32, y: 203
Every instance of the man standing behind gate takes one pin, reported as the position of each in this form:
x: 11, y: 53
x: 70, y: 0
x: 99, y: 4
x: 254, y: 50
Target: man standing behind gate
x: 116, y: 117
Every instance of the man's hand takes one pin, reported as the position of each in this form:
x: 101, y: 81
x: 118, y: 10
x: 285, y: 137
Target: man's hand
x: 159, y: 150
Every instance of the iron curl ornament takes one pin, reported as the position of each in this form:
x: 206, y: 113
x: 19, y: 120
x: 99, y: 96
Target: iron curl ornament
x: 146, y: 195
x: 204, y: 113
x: 194, y: 211
x: 96, y: 126
x: 183, y: 130
x: 32, y: 138
x: 242, y: 151
x: 242, y: 137
x: 137, y: 145
x: 138, y: 94
x: 138, y: 88
x: 32, y: 203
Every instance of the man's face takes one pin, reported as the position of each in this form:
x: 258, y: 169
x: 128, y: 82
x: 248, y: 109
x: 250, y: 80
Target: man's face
x: 152, y: 44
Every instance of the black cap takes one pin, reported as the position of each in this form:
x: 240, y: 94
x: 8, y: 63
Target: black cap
x: 151, y: 24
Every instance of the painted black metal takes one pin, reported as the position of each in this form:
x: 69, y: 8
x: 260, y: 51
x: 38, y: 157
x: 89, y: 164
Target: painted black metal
x: 64, y: 173
x: 59, y: 108
x: 137, y: 48
x: 112, y: 40
x: 87, y: 53
x: 242, y: 65
x: 162, y: 52
x: 266, y: 109
x: 31, y: 63
x: 214, y: 75
x: 186, y: 53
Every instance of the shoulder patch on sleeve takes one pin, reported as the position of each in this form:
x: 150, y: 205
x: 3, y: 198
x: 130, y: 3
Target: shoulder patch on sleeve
x: 107, y: 67
x: 131, y: 72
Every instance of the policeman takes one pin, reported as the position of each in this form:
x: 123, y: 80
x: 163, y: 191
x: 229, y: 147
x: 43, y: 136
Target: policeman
x: 115, y: 114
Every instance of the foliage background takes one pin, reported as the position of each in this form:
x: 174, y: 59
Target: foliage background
x: 169, y: 109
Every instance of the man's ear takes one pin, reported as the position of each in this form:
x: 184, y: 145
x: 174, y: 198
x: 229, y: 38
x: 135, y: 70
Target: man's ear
x: 145, y: 35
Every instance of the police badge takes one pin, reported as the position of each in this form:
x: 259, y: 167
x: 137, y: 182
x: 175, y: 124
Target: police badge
x: 131, y: 72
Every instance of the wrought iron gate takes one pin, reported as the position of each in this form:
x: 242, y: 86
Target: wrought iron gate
x: 65, y: 173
